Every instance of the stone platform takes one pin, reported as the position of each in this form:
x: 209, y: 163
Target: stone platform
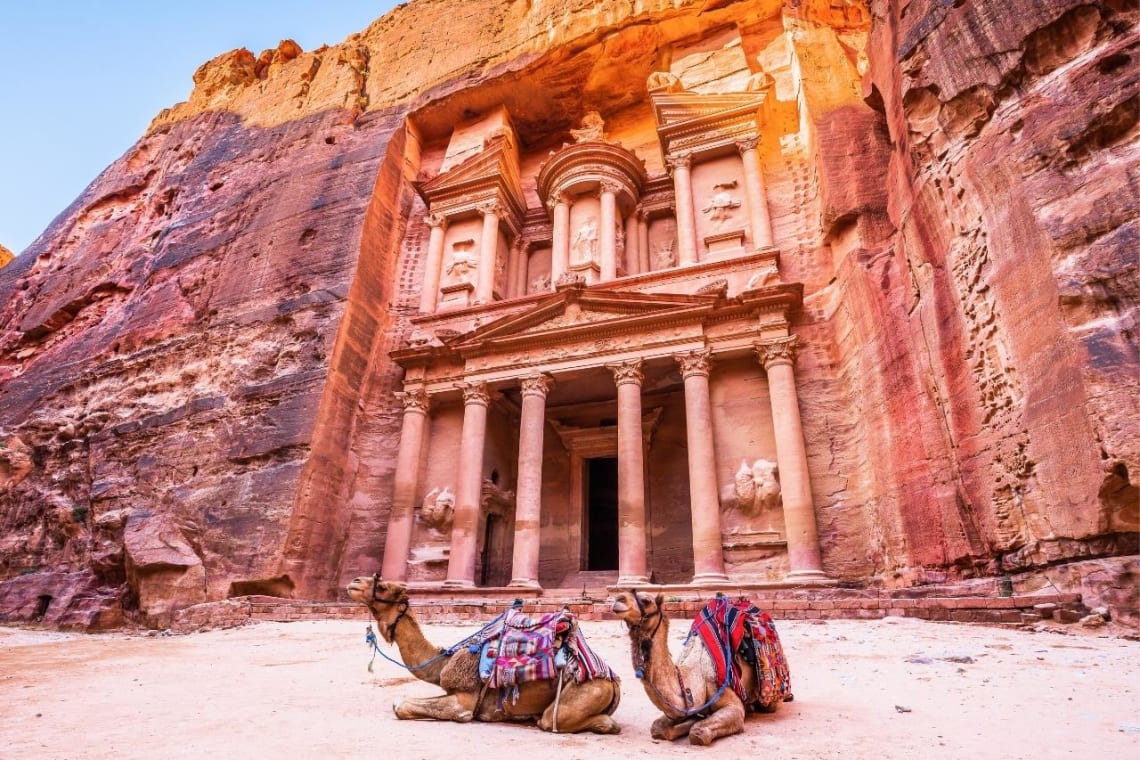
x: 682, y: 602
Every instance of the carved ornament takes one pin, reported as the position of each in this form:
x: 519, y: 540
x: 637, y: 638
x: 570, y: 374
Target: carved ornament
x: 609, y: 186
x: 694, y: 363
x: 474, y: 393
x: 416, y: 400
x: 778, y: 351
x: 591, y: 129
x: 681, y: 160
x: 493, y: 208
x: 536, y: 385
x: 746, y: 144
x: 627, y: 372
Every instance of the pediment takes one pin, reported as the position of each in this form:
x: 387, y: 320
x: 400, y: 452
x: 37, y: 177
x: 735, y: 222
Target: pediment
x: 487, y: 169
x: 672, y: 109
x: 574, y: 310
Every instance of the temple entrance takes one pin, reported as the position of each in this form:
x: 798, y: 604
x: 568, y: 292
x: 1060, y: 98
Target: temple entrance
x: 601, y: 514
x: 495, y: 559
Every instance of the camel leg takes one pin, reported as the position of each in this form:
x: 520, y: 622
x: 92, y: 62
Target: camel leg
x: 665, y: 728
x: 582, y: 707
x: 457, y: 707
x: 726, y: 721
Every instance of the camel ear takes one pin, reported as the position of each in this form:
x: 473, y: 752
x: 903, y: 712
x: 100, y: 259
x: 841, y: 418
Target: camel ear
x: 660, y: 600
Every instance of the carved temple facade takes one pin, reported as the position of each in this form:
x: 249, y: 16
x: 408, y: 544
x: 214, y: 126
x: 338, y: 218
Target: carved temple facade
x: 600, y: 383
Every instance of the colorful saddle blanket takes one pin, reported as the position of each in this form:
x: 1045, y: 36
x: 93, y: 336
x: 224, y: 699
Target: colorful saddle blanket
x: 735, y: 630
x: 518, y: 649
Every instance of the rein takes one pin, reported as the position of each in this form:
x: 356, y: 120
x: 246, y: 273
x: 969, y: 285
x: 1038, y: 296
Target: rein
x: 645, y: 647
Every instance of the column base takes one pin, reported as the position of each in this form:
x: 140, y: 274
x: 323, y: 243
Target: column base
x: 457, y: 584
x: 524, y: 583
x: 807, y: 576
x: 632, y: 580
x: 709, y: 579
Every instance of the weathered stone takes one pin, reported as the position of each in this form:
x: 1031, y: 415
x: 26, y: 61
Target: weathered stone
x: 195, y: 372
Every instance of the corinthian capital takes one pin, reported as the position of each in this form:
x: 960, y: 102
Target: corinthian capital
x: 536, y: 385
x: 695, y: 362
x: 415, y: 400
x: 777, y: 351
x: 436, y: 220
x: 746, y: 144
x: 491, y: 207
x: 627, y: 372
x: 680, y: 160
x: 609, y: 186
x: 475, y: 393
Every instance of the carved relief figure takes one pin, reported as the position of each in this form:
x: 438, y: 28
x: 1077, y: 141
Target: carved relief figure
x: 591, y: 129
x: 722, y: 203
x: 464, y: 262
x: 754, y: 488
x: 540, y: 283
x: 663, y: 255
x: 438, y: 508
x: 663, y: 81
x: 585, y: 245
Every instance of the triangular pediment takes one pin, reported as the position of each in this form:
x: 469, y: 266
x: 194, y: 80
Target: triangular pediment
x: 488, y: 170
x: 672, y: 109
x: 576, y: 309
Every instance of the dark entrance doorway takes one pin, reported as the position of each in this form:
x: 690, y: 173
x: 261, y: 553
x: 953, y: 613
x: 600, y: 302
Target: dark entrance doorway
x: 601, y: 514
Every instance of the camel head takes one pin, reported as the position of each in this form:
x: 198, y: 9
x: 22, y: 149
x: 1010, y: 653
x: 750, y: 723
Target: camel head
x: 635, y: 608
x: 386, y: 600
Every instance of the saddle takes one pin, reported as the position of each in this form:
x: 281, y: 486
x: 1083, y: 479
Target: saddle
x: 739, y: 630
x: 519, y: 649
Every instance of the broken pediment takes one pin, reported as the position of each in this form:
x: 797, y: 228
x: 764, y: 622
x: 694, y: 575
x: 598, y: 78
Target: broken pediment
x: 490, y: 175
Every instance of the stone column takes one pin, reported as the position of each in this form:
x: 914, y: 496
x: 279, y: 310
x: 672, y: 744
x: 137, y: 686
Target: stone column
x: 407, y: 478
x: 528, y: 504
x: 523, y: 264
x: 777, y: 356
x: 488, y: 253
x: 560, y: 253
x: 758, y: 217
x: 686, y: 218
x: 607, y: 236
x: 642, y: 240
x: 704, y: 502
x: 429, y: 296
x: 632, y: 246
x: 469, y: 487
x: 632, y: 563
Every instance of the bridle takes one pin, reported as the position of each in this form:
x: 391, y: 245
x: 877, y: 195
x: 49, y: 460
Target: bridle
x: 402, y: 606
x: 645, y: 642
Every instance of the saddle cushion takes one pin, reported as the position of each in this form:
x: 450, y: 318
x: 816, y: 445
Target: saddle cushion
x: 735, y: 630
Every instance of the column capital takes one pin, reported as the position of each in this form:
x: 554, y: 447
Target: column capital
x: 746, y: 144
x: 610, y: 186
x: 415, y: 400
x: 436, y: 220
x: 537, y: 384
x: 560, y: 197
x: 474, y: 393
x: 640, y: 213
x: 777, y: 351
x: 627, y: 372
x: 492, y: 208
x: 695, y: 362
x: 681, y: 160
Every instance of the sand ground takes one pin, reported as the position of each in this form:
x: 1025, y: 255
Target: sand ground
x: 894, y: 688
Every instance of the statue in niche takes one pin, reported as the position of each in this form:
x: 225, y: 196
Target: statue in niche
x: 585, y: 245
x: 754, y: 488
x: 663, y: 255
x: 464, y: 262
x: 722, y: 203
x: 591, y: 129
x: 619, y: 241
x: 438, y: 508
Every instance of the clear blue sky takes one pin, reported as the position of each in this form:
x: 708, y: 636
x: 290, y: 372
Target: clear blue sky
x: 80, y: 80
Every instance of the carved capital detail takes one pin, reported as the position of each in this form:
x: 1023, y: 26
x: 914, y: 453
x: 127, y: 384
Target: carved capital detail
x: 491, y: 207
x: 627, y: 372
x: 682, y: 160
x: 436, y: 220
x: 746, y: 144
x: 777, y: 351
x: 474, y: 393
x: 695, y: 362
x: 609, y: 186
x: 557, y: 198
x: 536, y: 385
x: 415, y: 400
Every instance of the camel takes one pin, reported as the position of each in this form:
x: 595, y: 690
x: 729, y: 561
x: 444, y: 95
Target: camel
x: 691, y: 697
x: 559, y: 705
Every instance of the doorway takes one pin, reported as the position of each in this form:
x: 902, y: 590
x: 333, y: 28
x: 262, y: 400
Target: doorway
x: 601, y: 513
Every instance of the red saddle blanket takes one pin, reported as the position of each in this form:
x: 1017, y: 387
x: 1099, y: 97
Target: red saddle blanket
x: 525, y: 649
x: 738, y: 630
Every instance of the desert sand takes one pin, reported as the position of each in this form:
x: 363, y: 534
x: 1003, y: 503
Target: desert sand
x: 893, y: 688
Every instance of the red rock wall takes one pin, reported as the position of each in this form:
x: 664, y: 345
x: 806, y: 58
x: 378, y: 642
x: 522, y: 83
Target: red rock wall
x: 195, y: 394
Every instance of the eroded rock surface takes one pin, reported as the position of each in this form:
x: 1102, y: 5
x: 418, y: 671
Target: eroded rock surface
x: 195, y: 389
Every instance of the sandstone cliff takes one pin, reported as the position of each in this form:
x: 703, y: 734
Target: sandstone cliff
x: 6, y: 256
x: 195, y: 394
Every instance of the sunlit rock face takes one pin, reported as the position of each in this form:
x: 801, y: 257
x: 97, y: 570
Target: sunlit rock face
x: 196, y: 388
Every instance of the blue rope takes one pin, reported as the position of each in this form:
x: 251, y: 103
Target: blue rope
x: 371, y: 640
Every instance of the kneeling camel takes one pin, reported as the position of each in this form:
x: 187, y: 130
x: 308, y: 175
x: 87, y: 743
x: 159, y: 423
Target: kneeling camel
x: 695, y: 696
x: 562, y: 704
